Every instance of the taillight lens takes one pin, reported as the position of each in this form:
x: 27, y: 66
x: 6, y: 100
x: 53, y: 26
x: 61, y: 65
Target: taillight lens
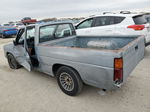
x: 137, y: 27
x: 5, y: 30
x: 118, y: 69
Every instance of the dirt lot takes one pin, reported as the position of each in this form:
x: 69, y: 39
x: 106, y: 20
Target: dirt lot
x: 21, y: 91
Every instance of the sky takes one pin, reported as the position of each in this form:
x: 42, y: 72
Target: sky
x: 13, y: 10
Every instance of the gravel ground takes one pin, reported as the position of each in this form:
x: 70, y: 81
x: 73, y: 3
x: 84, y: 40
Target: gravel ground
x: 23, y: 91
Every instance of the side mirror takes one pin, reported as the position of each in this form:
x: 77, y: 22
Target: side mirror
x: 54, y: 35
x: 76, y: 27
x: 14, y: 42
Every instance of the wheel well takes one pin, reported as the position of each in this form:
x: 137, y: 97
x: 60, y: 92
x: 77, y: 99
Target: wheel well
x: 7, y: 53
x: 57, y: 66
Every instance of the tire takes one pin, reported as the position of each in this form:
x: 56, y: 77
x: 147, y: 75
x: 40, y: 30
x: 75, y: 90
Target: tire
x: 13, y: 64
x: 69, y: 81
x: 2, y: 36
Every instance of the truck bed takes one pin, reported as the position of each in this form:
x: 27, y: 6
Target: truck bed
x: 93, y: 57
x: 110, y: 43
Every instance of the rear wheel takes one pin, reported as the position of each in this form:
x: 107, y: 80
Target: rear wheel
x: 2, y: 36
x: 13, y: 64
x: 69, y: 81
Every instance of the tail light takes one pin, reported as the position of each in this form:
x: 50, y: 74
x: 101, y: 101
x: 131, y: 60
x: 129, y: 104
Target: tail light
x: 137, y: 27
x: 118, y: 70
x: 5, y: 30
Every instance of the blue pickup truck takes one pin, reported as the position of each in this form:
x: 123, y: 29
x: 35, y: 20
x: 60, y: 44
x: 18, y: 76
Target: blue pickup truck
x: 6, y: 31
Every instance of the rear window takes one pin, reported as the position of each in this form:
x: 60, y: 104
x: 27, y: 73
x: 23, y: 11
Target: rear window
x: 108, y: 20
x: 139, y: 20
x: 147, y: 17
x: 52, y: 32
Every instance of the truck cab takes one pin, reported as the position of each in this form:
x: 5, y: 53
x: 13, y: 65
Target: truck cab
x: 30, y: 37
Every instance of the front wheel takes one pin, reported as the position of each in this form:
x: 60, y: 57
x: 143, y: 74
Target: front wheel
x: 13, y: 64
x: 69, y: 81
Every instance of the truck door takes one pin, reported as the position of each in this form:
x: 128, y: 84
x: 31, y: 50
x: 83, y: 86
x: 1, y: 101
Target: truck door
x: 21, y: 50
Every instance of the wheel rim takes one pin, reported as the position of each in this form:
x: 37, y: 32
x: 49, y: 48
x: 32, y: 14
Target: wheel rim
x: 66, y: 81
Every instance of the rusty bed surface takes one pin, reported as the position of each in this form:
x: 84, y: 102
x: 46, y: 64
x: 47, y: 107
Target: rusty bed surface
x: 106, y: 50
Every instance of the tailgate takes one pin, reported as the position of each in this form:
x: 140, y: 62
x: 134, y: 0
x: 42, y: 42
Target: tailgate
x: 133, y: 54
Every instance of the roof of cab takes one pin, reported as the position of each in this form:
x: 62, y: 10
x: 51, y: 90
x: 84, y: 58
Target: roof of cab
x: 52, y: 23
x: 46, y: 23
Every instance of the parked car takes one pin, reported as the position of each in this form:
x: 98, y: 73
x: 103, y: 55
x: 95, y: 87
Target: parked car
x: 126, y: 24
x: 6, y: 24
x: 54, y: 49
x: 18, y: 25
x: 7, y: 31
x: 28, y: 20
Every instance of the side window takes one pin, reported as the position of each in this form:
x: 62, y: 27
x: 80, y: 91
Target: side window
x: 47, y: 33
x: 20, y: 36
x: 102, y: 21
x: 118, y: 19
x: 30, y: 32
x: 85, y: 24
x: 64, y: 30
x: 108, y: 20
x: 30, y: 36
